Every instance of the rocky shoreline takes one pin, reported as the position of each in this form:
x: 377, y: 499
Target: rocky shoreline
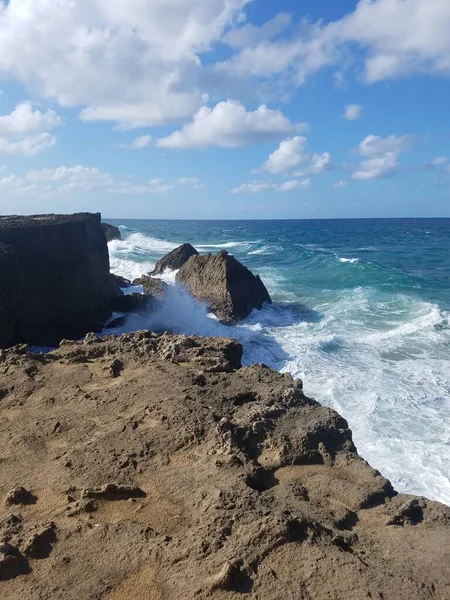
x: 155, y: 466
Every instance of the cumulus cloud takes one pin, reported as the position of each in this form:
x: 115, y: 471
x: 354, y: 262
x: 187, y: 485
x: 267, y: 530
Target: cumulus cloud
x: 26, y: 131
x: 352, y: 112
x: 318, y: 164
x: 230, y: 125
x: 290, y: 153
x: 405, y: 37
x: 138, y: 143
x: 340, y: 184
x: 254, y: 187
x: 132, y: 62
x: 381, y: 156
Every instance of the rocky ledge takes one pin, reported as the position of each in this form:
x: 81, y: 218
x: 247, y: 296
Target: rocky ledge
x: 155, y: 466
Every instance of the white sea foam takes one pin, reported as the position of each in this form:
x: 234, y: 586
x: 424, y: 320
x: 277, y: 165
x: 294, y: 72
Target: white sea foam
x: 348, y: 260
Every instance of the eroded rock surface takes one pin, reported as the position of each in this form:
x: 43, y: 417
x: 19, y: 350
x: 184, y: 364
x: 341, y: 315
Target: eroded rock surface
x: 230, y: 290
x: 175, y: 259
x: 163, y: 470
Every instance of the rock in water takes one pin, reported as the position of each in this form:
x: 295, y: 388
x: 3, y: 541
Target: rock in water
x: 230, y: 289
x: 175, y: 259
x: 55, y: 278
x: 152, y: 287
x: 111, y: 232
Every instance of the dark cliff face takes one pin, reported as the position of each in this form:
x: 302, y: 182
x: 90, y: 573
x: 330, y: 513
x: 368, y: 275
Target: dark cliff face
x: 63, y: 286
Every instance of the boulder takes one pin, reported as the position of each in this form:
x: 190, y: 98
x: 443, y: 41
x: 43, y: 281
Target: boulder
x: 55, y: 278
x: 229, y: 289
x: 175, y: 259
x: 111, y: 232
x: 152, y: 287
x: 121, y: 282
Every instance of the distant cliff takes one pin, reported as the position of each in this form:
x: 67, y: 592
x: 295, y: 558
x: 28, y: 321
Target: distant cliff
x: 55, y: 280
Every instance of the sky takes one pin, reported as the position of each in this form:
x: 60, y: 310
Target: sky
x: 233, y: 109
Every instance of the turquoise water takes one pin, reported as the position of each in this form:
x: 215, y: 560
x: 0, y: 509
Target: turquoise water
x: 361, y: 314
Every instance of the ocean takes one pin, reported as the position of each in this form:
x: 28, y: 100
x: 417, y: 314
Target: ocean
x: 361, y: 313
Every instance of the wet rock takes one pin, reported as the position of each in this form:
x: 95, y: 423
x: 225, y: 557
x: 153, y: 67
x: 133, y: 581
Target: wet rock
x: 229, y: 289
x: 175, y: 259
x: 152, y: 286
x: 111, y: 232
x: 121, y: 282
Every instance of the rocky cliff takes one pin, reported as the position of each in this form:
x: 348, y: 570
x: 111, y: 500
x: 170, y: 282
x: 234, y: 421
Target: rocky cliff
x: 155, y: 467
x: 55, y: 277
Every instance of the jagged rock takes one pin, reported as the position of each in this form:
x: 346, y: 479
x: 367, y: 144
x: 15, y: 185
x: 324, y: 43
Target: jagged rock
x: 175, y: 259
x: 65, y: 289
x: 121, y: 282
x: 152, y: 286
x: 229, y: 482
x: 19, y: 495
x: 131, y: 303
x: 230, y: 290
x: 111, y: 232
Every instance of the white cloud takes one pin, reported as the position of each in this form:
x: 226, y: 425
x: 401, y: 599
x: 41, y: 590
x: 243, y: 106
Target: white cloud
x: 318, y: 164
x: 295, y: 184
x: 193, y: 182
x: 404, y: 37
x: 254, y: 187
x: 230, y: 125
x: 63, y: 181
x: 138, y: 143
x: 30, y: 146
x: 25, y: 131
x: 340, y: 184
x: 381, y: 155
x: 290, y: 153
x: 249, y: 35
x: 352, y: 112
x: 135, y: 62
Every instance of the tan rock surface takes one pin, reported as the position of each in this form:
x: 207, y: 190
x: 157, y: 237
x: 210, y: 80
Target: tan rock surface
x: 180, y: 475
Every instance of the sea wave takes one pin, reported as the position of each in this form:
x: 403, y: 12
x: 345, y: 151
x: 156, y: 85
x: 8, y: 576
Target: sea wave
x: 357, y: 334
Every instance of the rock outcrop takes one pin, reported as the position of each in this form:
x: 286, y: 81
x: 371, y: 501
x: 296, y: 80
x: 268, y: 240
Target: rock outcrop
x: 162, y: 469
x: 229, y: 289
x: 111, y: 232
x: 152, y: 286
x: 55, y: 278
x: 175, y: 259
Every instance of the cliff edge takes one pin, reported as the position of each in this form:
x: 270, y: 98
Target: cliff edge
x: 155, y: 466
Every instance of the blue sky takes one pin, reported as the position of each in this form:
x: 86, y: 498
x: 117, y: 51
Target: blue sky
x: 225, y: 108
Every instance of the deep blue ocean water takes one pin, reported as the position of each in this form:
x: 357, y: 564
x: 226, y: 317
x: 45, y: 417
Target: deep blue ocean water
x: 361, y: 313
